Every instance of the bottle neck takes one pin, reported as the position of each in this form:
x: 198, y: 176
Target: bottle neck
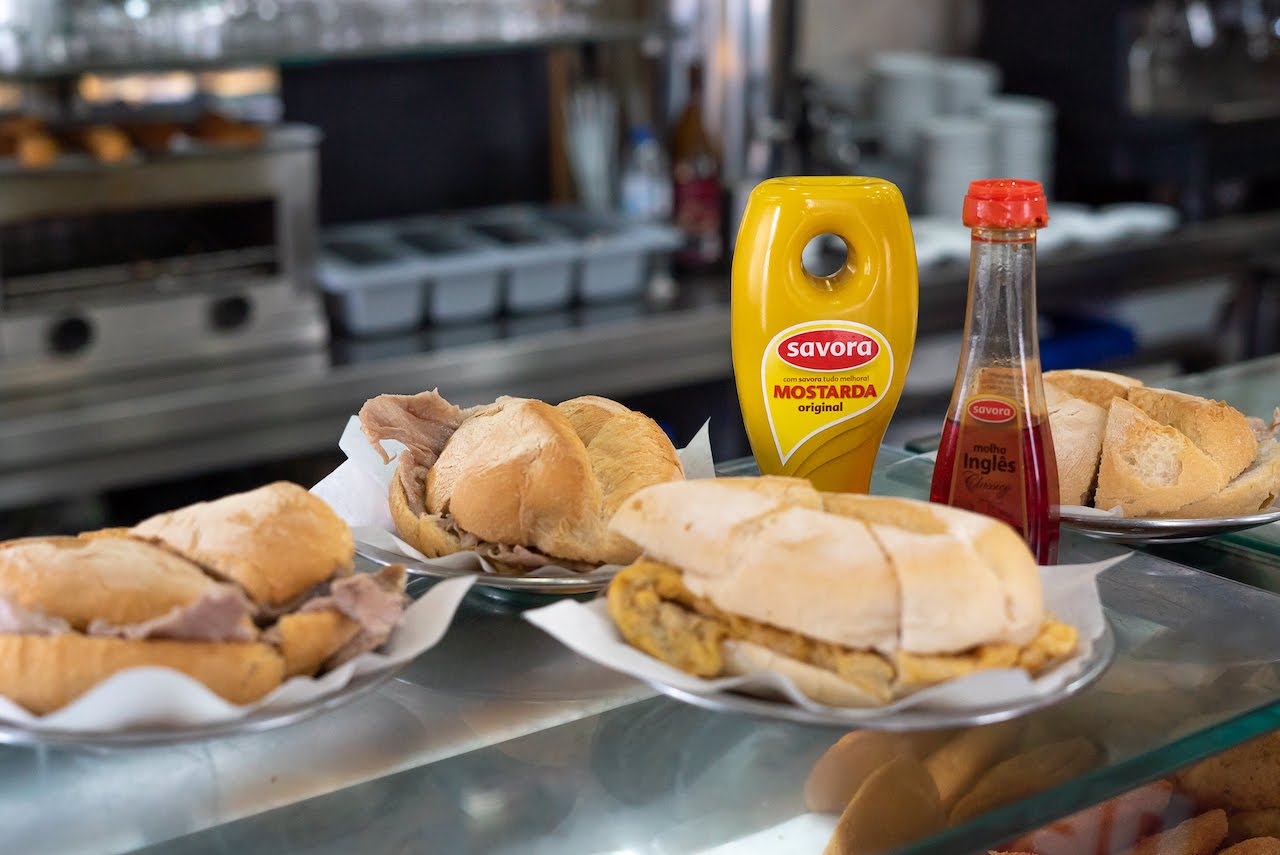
x: 1000, y: 324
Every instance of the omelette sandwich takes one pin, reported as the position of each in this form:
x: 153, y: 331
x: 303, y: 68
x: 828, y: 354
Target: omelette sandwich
x: 858, y: 599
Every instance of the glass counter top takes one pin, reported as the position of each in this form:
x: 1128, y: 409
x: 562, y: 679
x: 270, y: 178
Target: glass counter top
x: 500, y: 741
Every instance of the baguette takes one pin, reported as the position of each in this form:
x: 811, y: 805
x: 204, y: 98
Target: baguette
x: 1077, y: 427
x: 1148, y: 468
x: 1096, y: 387
x: 44, y: 673
x: 1254, y: 846
x: 276, y: 542
x: 1254, y: 491
x: 1220, y: 431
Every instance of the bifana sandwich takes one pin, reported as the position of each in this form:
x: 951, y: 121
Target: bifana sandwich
x: 523, y: 483
x: 239, y: 593
x: 858, y: 599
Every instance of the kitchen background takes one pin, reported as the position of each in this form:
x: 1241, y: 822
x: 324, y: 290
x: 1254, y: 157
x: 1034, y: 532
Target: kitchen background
x: 225, y: 223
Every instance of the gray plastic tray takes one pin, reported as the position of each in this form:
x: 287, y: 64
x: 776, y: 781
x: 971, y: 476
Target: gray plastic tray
x: 616, y: 254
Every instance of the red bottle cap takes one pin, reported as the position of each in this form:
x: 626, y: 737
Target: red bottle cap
x: 1005, y: 203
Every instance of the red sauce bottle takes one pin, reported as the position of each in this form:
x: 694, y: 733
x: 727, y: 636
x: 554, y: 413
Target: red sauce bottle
x: 996, y: 456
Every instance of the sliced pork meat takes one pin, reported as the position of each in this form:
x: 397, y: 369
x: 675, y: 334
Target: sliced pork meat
x: 221, y: 615
x: 373, y: 600
x: 15, y: 620
x: 529, y: 559
x: 423, y: 422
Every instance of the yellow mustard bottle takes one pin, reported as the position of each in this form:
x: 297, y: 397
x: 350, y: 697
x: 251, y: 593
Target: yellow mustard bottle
x: 820, y: 361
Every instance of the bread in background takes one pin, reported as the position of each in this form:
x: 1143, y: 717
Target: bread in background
x: 1077, y: 427
x: 897, y: 804
x: 1254, y: 846
x: 842, y: 770
x: 1252, y: 492
x: 1026, y: 774
x: 1200, y: 835
x: 1096, y: 387
x: 1148, y: 469
x: 1250, y: 824
x: 1221, y: 431
x: 1246, y: 777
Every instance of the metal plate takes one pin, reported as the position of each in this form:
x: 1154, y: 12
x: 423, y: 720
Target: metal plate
x: 1135, y: 530
x: 1104, y: 650
x: 17, y: 734
x: 555, y: 585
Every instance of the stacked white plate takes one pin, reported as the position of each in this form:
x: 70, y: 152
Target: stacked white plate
x: 1023, y: 137
x: 905, y: 90
x: 966, y: 86
x: 954, y: 150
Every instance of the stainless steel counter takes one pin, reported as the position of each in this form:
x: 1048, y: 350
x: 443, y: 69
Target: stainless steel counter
x: 76, y: 441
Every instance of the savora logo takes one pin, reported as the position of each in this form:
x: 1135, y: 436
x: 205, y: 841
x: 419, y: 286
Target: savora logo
x: 828, y: 350
x: 991, y: 410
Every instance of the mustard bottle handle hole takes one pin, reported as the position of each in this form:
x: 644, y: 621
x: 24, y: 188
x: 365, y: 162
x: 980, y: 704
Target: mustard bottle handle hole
x: 815, y: 264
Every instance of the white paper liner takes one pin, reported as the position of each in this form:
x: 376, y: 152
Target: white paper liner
x: 1070, y: 594
x: 1084, y: 512
x: 165, y: 697
x: 357, y: 491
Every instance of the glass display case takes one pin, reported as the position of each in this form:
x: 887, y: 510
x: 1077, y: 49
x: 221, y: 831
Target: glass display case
x: 501, y: 740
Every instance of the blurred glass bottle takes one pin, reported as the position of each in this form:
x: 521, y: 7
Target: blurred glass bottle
x: 696, y: 185
x: 646, y: 178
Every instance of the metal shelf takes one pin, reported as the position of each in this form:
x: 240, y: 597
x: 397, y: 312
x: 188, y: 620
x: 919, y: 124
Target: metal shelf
x: 302, y: 56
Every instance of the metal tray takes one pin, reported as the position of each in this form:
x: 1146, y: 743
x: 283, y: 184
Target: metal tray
x: 554, y: 585
x: 12, y: 733
x: 1104, y: 650
x: 1137, y: 530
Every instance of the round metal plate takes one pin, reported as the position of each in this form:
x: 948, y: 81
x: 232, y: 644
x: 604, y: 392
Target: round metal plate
x: 1138, y: 530
x: 1104, y: 650
x: 17, y: 734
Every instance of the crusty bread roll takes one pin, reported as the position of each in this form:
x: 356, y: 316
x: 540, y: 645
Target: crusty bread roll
x: 1077, y: 427
x: 523, y: 473
x: 879, y: 582
x: 1096, y: 387
x: 43, y: 673
x: 959, y: 763
x: 1245, y: 777
x: 878, y: 599
x: 1252, y: 492
x: 895, y: 805
x: 1026, y: 774
x: 1249, y: 824
x: 1200, y: 835
x: 1148, y: 468
x: 841, y: 771
x: 1254, y: 846
x: 1222, y: 432
x: 276, y: 542
x: 74, y: 611
x: 80, y: 580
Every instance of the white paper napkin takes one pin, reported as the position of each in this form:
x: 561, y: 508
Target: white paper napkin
x: 161, y: 696
x: 357, y: 491
x: 1070, y: 593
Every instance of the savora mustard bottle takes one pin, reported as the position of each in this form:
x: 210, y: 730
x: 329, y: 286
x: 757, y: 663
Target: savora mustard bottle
x: 820, y: 361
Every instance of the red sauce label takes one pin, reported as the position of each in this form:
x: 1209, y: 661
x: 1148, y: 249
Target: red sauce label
x: 992, y: 410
